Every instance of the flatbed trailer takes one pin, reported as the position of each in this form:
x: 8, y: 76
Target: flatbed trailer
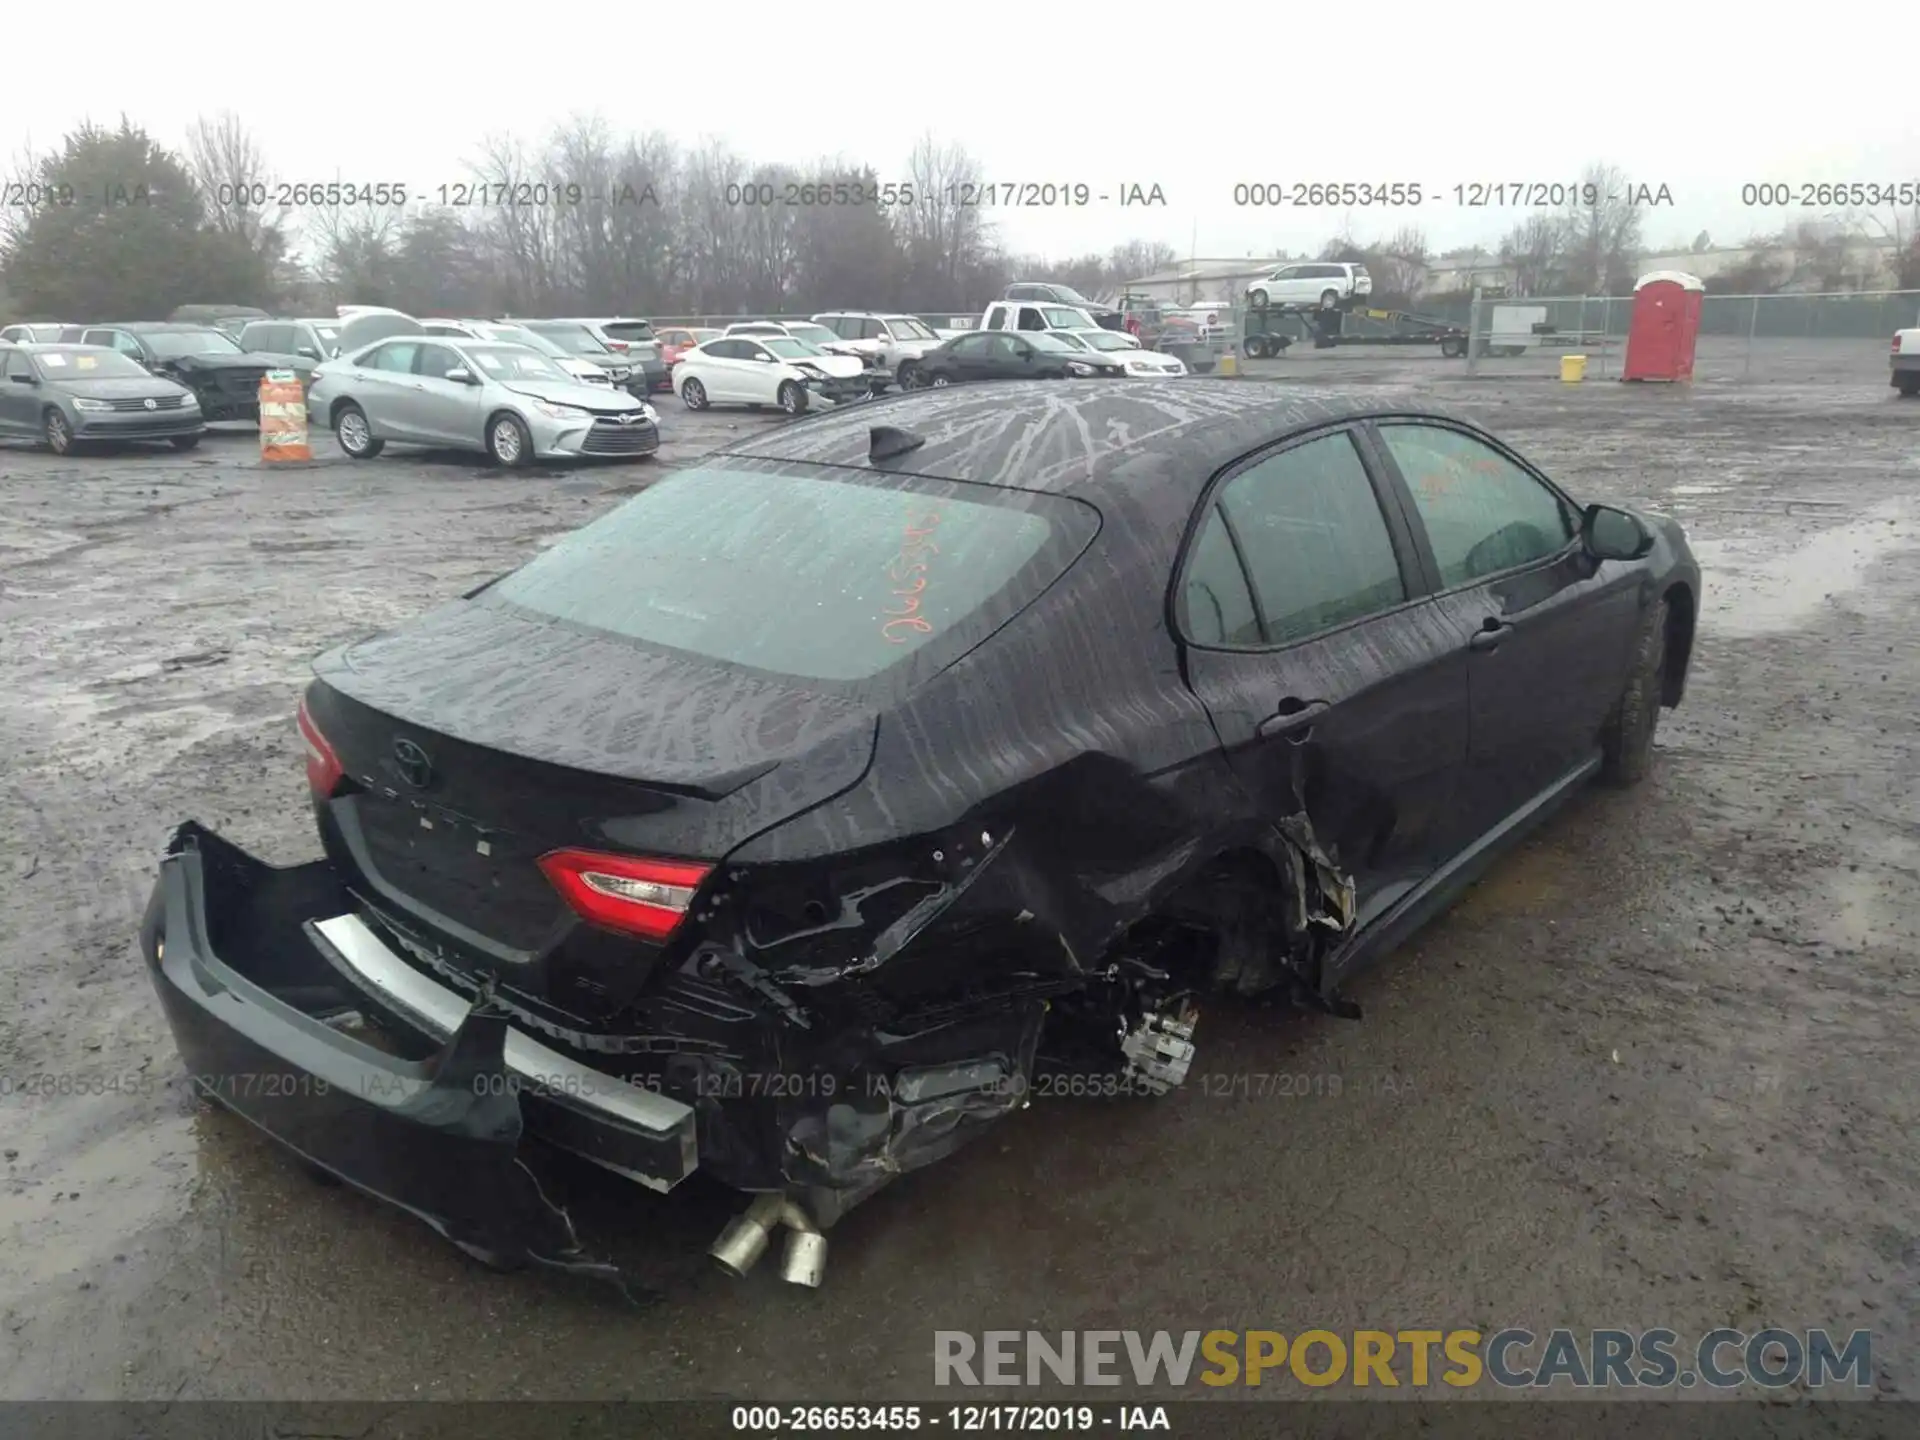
x: 1267, y: 330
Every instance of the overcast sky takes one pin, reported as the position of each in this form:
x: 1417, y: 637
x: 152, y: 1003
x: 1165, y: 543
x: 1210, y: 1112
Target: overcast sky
x: 1687, y: 95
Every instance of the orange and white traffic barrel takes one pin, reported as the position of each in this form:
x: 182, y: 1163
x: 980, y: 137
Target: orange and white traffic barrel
x: 283, y: 418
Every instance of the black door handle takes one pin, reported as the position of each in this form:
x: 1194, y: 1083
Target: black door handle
x: 1294, y: 719
x: 1489, y: 635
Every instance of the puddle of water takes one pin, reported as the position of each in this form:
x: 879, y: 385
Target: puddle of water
x: 1754, y: 587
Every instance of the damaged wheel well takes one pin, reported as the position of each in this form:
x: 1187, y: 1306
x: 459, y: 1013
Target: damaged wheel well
x: 1680, y: 617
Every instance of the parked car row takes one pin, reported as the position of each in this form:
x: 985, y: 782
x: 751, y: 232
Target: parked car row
x: 516, y: 392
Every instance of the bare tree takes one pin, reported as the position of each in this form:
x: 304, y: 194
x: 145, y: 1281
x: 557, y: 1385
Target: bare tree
x: 1534, y: 251
x: 1602, y: 233
x: 230, y: 170
x: 945, y: 230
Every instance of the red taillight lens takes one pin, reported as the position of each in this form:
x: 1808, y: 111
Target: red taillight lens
x: 324, y: 770
x: 1896, y: 344
x: 648, y: 898
x: 619, y: 345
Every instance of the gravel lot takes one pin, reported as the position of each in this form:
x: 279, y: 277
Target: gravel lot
x: 1657, y: 1069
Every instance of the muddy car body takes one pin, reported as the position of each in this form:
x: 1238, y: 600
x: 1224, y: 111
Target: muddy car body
x: 750, y: 868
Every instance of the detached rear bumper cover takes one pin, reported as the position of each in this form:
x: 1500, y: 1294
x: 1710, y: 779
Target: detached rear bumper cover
x: 247, y: 958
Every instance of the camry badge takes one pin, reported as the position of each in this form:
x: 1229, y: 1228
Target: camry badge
x: 412, y: 763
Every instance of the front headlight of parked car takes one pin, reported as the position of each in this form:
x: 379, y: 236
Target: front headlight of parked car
x: 1079, y: 367
x: 653, y: 415
x: 191, y: 401
x: 1142, y: 367
x: 561, y: 412
x: 93, y: 405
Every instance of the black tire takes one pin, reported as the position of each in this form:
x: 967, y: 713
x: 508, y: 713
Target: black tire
x: 792, y: 397
x: 56, y: 432
x: 183, y: 442
x: 1627, y: 741
x: 1450, y: 349
x: 1329, y: 299
x: 1257, y: 299
x: 907, y: 375
x: 693, y: 394
x: 356, y: 438
x: 939, y: 381
x: 1907, y: 384
x: 508, y: 444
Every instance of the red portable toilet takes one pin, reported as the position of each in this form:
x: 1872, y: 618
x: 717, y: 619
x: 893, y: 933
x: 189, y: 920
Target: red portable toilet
x: 1666, y: 322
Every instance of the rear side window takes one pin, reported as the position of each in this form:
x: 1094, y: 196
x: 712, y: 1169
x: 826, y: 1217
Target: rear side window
x: 1307, y: 527
x: 1483, y: 513
x: 801, y: 576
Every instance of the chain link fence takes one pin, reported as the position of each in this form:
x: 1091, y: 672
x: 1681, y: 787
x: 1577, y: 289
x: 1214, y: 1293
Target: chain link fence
x: 1836, y: 337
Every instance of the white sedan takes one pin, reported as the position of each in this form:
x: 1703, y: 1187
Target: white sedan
x: 767, y: 370
x: 1123, y: 347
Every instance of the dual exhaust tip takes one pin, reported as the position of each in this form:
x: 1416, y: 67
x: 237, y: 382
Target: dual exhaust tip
x: 749, y: 1234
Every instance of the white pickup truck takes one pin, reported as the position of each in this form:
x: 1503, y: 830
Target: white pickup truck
x: 1905, y: 361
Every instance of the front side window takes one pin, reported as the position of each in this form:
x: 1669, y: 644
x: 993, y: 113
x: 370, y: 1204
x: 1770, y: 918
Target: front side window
x: 1317, y: 553
x: 1483, y: 513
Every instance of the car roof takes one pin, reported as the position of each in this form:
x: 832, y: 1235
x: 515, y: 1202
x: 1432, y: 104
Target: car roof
x: 151, y: 327
x: 1085, y: 435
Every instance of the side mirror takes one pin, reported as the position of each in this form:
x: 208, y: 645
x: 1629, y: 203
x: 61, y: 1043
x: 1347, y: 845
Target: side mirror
x: 1611, y: 534
x: 460, y: 375
x: 1024, y: 352
x: 23, y: 379
x: 308, y: 351
x: 764, y: 358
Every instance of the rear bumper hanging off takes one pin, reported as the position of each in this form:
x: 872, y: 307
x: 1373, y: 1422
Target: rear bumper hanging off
x: 251, y: 962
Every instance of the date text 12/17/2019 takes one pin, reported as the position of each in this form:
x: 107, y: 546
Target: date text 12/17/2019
x: 1471, y: 195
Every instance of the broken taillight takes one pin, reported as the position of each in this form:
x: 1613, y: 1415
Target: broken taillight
x: 324, y: 770
x: 648, y: 898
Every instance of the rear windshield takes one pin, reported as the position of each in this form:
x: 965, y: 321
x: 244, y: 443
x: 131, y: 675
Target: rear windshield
x: 803, y: 576
x: 628, y: 329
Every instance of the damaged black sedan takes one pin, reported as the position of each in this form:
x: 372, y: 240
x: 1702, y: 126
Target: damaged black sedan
x: 780, y: 823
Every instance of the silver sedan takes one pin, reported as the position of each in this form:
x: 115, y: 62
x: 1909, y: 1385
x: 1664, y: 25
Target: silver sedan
x: 509, y: 402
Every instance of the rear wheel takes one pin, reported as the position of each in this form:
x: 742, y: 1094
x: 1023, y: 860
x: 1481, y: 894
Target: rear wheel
x: 693, y: 394
x: 57, y: 433
x: 184, y: 442
x: 907, y: 376
x: 350, y: 428
x: 1907, y: 384
x: 1627, y: 742
x: 508, y: 442
x: 792, y: 397
x: 1329, y: 299
x: 1257, y: 299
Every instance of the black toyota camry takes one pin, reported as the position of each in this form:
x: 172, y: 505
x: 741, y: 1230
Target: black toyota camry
x: 785, y: 821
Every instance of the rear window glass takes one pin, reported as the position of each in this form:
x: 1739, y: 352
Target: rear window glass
x: 826, y: 580
x: 629, y: 330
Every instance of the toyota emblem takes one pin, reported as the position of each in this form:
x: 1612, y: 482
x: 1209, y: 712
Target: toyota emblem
x: 152, y: 404
x: 412, y: 762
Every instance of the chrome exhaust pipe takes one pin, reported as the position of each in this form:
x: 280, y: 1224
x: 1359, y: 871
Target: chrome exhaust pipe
x: 748, y: 1235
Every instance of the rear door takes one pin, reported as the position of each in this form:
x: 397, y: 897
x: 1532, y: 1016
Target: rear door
x: 1547, y: 629
x: 1336, y: 687
x: 19, y: 400
x: 384, y: 386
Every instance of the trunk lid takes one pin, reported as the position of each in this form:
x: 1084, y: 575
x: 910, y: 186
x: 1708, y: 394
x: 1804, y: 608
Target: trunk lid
x: 477, y: 740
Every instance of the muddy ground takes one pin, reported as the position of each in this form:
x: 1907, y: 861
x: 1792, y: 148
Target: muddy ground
x: 1659, y: 1068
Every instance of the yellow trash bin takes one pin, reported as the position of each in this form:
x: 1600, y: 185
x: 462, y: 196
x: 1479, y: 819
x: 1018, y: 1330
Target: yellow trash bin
x: 1573, y: 369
